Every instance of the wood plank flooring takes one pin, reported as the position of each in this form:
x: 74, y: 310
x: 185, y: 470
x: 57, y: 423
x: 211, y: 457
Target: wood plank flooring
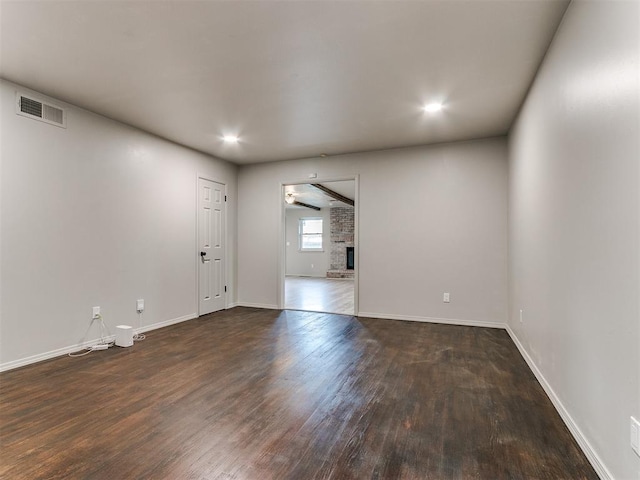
x: 332, y: 295
x: 264, y: 394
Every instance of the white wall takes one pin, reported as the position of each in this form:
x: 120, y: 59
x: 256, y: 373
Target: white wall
x: 306, y: 264
x: 101, y: 214
x: 431, y: 219
x: 574, y: 226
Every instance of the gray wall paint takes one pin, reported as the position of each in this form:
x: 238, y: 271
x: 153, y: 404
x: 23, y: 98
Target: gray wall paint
x: 307, y: 264
x: 432, y: 219
x: 574, y: 225
x: 101, y: 214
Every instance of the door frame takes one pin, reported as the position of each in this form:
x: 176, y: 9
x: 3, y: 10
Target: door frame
x: 197, y: 242
x: 356, y: 235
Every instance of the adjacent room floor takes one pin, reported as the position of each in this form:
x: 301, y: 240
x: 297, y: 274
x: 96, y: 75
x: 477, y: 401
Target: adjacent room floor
x: 333, y: 295
x: 265, y: 394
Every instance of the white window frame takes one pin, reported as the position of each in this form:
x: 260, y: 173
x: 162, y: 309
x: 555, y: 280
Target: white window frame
x: 301, y: 221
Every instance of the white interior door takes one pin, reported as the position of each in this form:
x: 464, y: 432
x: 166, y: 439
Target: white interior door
x: 211, y: 248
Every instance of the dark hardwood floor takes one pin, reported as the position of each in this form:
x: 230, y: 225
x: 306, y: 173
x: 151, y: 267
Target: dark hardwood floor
x: 263, y: 394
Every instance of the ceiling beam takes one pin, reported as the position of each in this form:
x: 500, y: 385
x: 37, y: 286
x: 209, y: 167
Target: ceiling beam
x: 302, y: 204
x: 334, y: 195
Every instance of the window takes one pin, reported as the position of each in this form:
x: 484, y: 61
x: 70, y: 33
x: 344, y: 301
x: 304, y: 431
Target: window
x: 310, y: 234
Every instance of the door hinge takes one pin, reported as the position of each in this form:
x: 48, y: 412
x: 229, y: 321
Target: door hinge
x: 225, y: 198
x: 225, y: 288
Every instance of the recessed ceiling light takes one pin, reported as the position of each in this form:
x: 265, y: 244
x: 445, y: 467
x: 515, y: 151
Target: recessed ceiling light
x: 433, y: 107
x: 230, y: 139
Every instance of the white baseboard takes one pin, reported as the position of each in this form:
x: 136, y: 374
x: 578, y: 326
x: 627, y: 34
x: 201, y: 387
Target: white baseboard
x: 166, y: 323
x: 231, y: 305
x: 79, y: 346
x: 448, y: 321
x: 257, y: 305
x: 596, y: 462
x: 51, y: 354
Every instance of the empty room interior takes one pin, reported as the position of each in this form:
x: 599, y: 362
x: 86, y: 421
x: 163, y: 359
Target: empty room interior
x: 309, y: 239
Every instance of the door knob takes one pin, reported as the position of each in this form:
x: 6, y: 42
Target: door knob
x: 202, y: 254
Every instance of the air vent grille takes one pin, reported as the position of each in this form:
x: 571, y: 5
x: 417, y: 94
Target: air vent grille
x: 37, y: 110
x: 31, y: 107
x: 53, y: 114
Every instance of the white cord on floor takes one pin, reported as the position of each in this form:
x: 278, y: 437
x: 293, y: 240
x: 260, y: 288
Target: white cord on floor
x: 138, y: 337
x: 103, y: 339
x: 87, y: 352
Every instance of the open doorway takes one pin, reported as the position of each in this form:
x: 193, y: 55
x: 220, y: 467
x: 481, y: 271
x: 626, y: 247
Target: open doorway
x: 320, y: 247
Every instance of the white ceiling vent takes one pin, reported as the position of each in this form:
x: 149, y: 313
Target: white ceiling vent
x: 32, y: 108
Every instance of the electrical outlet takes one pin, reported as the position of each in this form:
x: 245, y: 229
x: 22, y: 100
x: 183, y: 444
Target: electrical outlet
x: 96, y: 312
x: 635, y: 436
x: 446, y: 298
x: 140, y: 305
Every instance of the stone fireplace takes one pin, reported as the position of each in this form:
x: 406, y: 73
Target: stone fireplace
x: 341, y: 244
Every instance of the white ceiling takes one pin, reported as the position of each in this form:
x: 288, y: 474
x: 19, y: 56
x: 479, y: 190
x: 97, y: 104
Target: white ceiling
x: 293, y: 79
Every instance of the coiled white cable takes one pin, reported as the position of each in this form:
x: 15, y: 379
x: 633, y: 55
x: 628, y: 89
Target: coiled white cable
x: 103, y: 339
x: 138, y: 337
